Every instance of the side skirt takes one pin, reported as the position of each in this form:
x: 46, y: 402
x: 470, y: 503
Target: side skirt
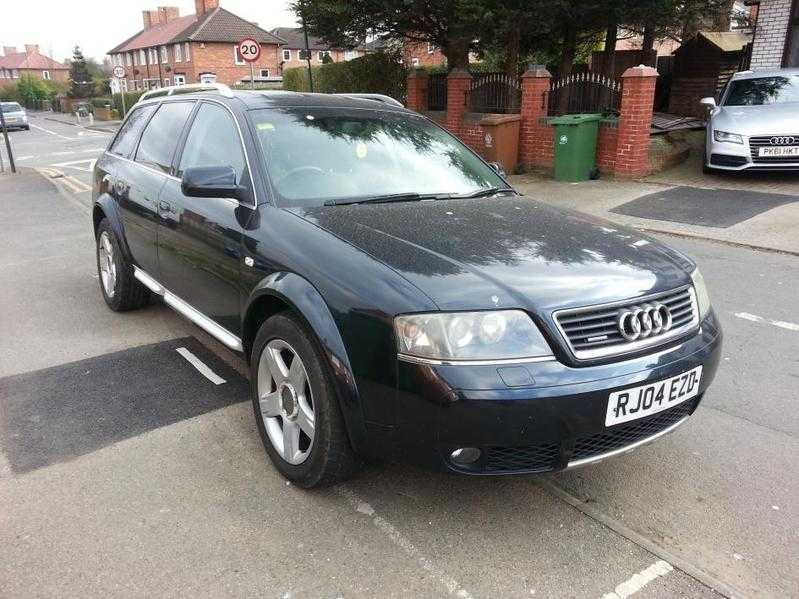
x: 188, y: 311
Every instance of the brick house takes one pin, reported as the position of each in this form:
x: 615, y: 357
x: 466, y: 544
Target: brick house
x: 776, y: 42
x: 14, y: 65
x: 199, y: 48
x: 422, y: 54
x: 292, y: 52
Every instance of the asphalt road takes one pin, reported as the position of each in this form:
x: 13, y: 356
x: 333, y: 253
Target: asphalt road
x: 125, y: 471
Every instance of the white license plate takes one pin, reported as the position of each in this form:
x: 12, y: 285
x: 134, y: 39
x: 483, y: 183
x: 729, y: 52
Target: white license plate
x: 639, y: 402
x: 780, y: 151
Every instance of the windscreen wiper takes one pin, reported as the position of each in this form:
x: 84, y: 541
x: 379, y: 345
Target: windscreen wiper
x: 384, y: 199
x: 488, y: 191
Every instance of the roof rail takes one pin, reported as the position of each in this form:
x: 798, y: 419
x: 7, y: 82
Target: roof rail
x: 187, y: 89
x: 376, y: 97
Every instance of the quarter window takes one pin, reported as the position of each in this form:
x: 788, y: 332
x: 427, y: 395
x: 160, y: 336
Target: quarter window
x: 213, y: 141
x: 126, y: 138
x: 160, y: 138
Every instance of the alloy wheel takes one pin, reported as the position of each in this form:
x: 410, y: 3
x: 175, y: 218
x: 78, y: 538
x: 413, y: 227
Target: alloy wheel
x: 108, y: 269
x: 286, y: 401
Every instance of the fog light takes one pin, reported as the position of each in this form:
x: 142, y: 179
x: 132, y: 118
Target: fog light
x: 465, y: 455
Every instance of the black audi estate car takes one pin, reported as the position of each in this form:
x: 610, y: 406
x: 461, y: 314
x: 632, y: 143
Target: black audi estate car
x: 394, y: 296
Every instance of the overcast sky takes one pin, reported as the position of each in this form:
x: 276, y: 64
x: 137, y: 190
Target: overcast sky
x: 99, y: 25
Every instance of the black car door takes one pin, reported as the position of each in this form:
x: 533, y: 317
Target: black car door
x: 145, y: 178
x: 121, y: 174
x: 200, y: 238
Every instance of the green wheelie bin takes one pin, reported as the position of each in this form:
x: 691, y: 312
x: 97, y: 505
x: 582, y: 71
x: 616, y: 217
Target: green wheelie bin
x: 575, y: 146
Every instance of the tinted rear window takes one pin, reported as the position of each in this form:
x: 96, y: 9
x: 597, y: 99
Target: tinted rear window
x: 126, y: 138
x: 160, y: 138
x: 11, y: 107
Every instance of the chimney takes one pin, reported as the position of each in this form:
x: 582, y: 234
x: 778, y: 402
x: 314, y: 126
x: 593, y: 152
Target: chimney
x: 147, y: 19
x: 203, y: 6
x: 31, y: 48
x: 167, y: 14
x: 9, y: 50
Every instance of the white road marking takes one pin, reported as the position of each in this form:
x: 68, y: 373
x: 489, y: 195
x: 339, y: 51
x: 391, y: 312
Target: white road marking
x: 200, y: 366
x: 404, y: 544
x: 777, y: 323
x: 21, y: 158
x: 66, y: 153
x: 90, y: 162
x: 52, y: 132
x: 638, y: 581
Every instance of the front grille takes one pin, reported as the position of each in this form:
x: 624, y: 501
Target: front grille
x: 533, y: 458
x: 593, y: 332
x: 626, y: 434
x: 762, y: 141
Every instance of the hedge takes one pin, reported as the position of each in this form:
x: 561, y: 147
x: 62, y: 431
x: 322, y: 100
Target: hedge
x: 130, y: 99
x: 378, y: 73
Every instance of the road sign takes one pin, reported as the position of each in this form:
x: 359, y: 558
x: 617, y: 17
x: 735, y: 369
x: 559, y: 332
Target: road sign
x: 119, y: 72
x: 249, y: 49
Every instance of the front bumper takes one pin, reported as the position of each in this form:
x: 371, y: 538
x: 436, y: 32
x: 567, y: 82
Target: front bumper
x: 742, y: 157
x: 553, y: 424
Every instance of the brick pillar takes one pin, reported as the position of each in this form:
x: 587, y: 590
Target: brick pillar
x: 635, y: 121
x: 417, y: 90
x: 535, y: 98
x: 458, y: 83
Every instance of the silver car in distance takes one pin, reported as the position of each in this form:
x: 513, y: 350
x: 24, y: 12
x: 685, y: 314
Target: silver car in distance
x: 755, y: 125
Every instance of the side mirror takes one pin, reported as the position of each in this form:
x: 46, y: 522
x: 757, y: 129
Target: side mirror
x: 497, y: 167
x: 710, y: 102
x: 211, y: 182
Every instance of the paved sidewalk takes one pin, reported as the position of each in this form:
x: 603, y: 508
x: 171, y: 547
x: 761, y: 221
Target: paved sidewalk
x: 70, y: 119
x: 776, y: 228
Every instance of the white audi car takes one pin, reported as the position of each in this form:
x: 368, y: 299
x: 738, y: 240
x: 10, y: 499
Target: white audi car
x: 755, y: 125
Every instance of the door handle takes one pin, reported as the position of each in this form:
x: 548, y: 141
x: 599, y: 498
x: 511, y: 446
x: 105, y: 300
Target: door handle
x: 165, y: 206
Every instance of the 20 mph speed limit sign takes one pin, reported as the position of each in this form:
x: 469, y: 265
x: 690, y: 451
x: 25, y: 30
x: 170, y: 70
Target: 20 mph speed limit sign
x: 249, y: 49
x: 119, y: 72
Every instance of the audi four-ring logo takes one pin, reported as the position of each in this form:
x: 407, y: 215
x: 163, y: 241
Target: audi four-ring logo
x: 785, y: 140
x: 640, y: 322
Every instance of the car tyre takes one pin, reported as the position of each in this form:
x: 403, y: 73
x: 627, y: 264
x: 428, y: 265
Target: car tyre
x: 293, y: 398
x: 120, y: 289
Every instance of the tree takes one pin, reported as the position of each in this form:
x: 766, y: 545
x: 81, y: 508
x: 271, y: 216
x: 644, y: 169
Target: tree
x: 81, y: 84
x: 452, y: 25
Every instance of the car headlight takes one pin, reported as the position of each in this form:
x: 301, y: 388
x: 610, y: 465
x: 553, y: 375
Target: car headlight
x: 702, y: 297
x: 495, y: 335
x: 728, y: 137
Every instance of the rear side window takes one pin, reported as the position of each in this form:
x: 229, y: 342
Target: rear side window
x: 213, y: 141
x: 125, y: 142
x: 160, y: 138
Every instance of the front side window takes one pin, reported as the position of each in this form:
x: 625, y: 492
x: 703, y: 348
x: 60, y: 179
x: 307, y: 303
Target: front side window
x: 125, y: 141
x: 316, y: 155
x: 213, y: 141
x: 763, y: 90
x: 160, y: 138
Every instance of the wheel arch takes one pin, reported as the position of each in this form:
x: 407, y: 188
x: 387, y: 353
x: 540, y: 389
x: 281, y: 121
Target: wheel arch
x: 106, y: 207
x: 289, y: 292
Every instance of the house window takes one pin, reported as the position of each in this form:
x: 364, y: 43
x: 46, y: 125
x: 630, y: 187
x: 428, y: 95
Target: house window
x: 430, y: 48
x: 164, y: 54
x: 350, y: 54
x: 286, y: 55
x: 46, y: 75
x: 153, y: 56
x: 323, y: 53
x: 142, y: 58
x: 207, y: 78
x: 14, y: 74
x: 186, y: 51
x: 123, y: 85
x: 302, y: 54
x: 415, y: 62
x: 178, y: 52
x: 791, y: 58
x: 166, y: 82
x: 180, y: 79
x: 129, y: 59
x: 263, y: 73
x: 237, y: 56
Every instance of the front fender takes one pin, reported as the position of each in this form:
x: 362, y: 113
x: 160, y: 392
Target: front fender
x: 307, y: 302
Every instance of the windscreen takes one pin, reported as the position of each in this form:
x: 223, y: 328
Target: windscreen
x: 763, y: 90
x: 316, y: 155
